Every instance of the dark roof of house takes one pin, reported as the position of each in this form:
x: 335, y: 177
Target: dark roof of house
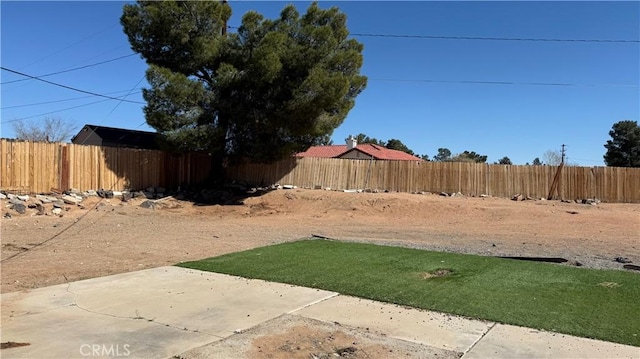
x: 124, y: 137
x: 377, y: 152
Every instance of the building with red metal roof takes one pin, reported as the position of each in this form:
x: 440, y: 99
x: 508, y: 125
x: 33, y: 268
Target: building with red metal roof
x: 352, y: 150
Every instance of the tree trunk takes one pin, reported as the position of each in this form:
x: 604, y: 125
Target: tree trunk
x: 217, y: 171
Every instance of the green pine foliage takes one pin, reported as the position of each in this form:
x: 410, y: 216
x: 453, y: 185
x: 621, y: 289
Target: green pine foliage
x: 623, y: 149
x: 273, y: 88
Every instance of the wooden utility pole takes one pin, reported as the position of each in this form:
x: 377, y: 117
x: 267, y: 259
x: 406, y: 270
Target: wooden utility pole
x: 555, y: 185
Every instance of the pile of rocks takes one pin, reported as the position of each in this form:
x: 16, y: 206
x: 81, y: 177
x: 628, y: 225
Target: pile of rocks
x: 55, y: 203
x: 41, y: 204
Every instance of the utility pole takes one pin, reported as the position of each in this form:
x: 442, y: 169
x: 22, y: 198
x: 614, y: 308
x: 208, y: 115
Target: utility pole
x: 555, y: 185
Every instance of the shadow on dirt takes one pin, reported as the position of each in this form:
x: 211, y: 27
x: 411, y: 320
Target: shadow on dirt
x: 231, y: 194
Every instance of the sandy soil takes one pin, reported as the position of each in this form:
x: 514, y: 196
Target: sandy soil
x: 102, y: 237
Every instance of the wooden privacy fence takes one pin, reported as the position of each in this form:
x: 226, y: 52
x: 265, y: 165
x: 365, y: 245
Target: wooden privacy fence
x: 38, y: 167
x: 609, y: 184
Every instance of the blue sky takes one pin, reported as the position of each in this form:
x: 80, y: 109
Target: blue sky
x: 424, y: 92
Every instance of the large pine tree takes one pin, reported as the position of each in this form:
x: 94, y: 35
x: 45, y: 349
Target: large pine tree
x: 273, y: 88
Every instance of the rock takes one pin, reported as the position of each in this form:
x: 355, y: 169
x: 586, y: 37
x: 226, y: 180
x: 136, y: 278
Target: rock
x: 24, y: 198
x: 139, y: 194
x: 126, y: 196
x: 159, y: 194
x: 588, y: 201
x: 346, y: 351
x: 70, y: 199
x: 289, y: 186
x: 444, y: 194
x: 517, y: 197
x: 117, y: 193
x: 148, y: 195
x: 317, y: 187
x: 45, y: 199
x: 161, y: 190
x: 100, y: 193
x: 11, y: 196
x: 89, y: 193
x: 528, y: 198
x: 40, y: 209
x: 56, y: 210
x: 58, y: 203
x: 148, y: 204
x: 7, y: 215
x: 622, y: 260
x: 2, y: 196
x: 484, y: 195
x: 565, y: 201
x: 150, y: 189
x: 108, y: 194
x: 459, y: 194
x: 20, y: 208
x: 15, y: 200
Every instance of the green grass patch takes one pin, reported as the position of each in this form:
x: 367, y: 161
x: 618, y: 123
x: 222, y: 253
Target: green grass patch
x: 601, y: 304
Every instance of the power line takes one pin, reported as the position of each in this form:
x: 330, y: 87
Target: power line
x: 125, y: 96
x: 494, y: 38
x: 483, y: 38
x: 73, y: 44
x: 505, y: 83
x: 113, y: 109
x: 56, y: 111
x: 69, y: 87
x: 64, y: 100
x: 69, y: 70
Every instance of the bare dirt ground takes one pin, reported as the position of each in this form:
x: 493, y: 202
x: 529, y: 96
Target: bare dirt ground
x: 111, y: 236
x: 103, y: 237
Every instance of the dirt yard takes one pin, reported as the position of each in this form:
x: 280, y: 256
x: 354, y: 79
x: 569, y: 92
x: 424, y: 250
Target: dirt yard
x: 101, y: 237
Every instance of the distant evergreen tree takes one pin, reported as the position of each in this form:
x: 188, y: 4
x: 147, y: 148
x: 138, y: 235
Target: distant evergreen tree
x: 623, y: 149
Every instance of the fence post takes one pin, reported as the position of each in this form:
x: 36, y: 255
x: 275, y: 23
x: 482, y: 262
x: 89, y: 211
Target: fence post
x: 64, y: 168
